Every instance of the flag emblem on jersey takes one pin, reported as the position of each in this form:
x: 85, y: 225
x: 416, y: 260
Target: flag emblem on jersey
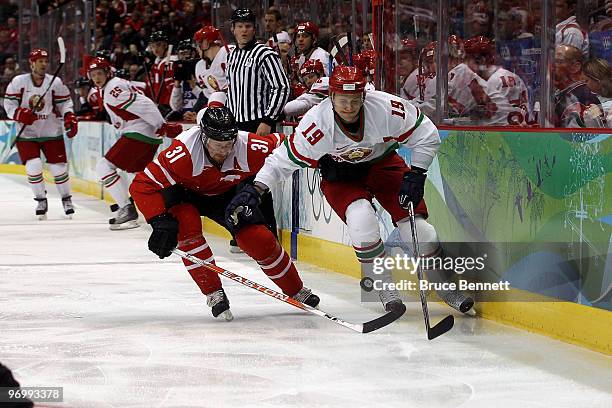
x: 354, y: 155
x: 34, y: 100
x: 212, y: 81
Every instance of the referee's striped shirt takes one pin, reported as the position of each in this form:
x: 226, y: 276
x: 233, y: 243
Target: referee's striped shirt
x: 258, y: 87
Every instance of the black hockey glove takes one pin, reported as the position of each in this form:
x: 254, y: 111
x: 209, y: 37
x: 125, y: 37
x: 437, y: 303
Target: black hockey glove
x: 413, y: 187
x: 243, y: 209
x: 164, y: 237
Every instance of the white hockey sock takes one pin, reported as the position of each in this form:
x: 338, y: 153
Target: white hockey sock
x: 34, y: 170
x: 60, y: 175
x: 113, y: 182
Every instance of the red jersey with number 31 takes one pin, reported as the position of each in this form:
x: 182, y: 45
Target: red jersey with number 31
x: 186, y: 163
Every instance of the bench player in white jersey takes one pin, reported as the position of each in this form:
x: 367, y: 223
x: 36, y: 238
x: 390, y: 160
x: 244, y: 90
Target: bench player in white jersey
x: 312, y: 76
x: 305, y: 40
x: 210, y: 71
x: 43, y: 128
x: 141, y: 127
x: 352, y: 137
x: 467, y: 95
x: 198, y: 175
x: 506, y: 89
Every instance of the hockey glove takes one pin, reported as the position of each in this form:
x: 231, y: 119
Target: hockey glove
x: 164, y: 237
x: 170, y: 130
x: 25, y: 116
x: 71, y: 124
x: 243, y: 209
x: 413, y: 187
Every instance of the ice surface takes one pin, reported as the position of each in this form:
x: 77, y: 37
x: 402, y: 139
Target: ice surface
x: 93, y: 311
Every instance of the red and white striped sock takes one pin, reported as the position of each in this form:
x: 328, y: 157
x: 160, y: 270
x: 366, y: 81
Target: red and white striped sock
x: 206, y: 280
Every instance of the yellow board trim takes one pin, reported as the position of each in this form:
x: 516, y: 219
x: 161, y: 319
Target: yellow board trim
x: 573, y: 323
x: 584, y: 326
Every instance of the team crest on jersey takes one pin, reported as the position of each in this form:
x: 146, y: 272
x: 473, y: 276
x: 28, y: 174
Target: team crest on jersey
x: 356, y: 154
x: 34, y: 100
x: 212, y: 81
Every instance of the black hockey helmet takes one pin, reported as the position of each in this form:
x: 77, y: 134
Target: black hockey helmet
x: 106, y: 54
x: 243, y: 15
x: 82, y: 81
x: 185, y: 45
x: 122, y: 73
x: 218, y: 124
x: 158, y: 36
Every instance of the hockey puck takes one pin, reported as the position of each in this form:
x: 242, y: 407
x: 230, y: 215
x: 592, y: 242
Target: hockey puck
x: 367, y: 284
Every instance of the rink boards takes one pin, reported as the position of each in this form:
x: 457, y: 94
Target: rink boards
x: 505, y: 189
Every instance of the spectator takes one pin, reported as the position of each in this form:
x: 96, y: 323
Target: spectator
x: 11, y: 69
x: 568, y: 31
x: 272, y: 23
x: 575, y: 104
x: 7, y: 47
x: 598, y: 74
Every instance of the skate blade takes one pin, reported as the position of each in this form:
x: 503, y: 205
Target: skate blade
x: 226, y: 316
x: 42, y: 217
x: 124, y: 226
x: 69, y: 216
x: 235, y: 250
x: 471, y: 312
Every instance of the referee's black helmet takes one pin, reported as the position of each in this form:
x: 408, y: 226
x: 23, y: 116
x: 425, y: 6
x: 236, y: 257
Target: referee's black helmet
x: 243, y: 15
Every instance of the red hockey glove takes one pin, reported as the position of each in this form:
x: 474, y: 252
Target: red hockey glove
x: 25, y: 116
x: 71, y: 124
x: 170, y: 130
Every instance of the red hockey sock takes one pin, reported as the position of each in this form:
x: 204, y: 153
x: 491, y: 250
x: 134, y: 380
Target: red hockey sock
x: 207, y: 281
x: 261, y: 245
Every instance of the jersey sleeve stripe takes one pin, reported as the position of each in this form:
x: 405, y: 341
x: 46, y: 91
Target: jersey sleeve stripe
x: 297, y: 157
x: 128, y: 102
x: 170, y: 179
x: 150, y: 175
x: 404, y: 138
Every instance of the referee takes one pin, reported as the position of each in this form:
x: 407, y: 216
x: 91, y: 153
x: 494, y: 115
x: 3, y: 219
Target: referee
x: 258, y: 87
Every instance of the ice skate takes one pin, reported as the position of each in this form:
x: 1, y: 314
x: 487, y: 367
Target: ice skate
x: 306, y: 296
x: 458, y: 301
x: 41, y: 208
x: 220, y: 305
x: 68, y: 207
x: 390, y: 300
x: 126, y: 218
x: 234, y: 248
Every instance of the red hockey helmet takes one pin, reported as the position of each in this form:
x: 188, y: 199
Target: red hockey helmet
x: 38, y: 53
x: 307, y: 27
x: 209, y: 33
x: 348, y: 80
x: 99, y: 63
x: 480, y: 46
x: 408, y: 45
x: 361, y: 62
x: 312, y: 67
x: 429, y: 51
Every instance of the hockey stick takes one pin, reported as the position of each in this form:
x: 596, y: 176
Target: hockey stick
x: 447, y: 323
x: 366, y: 327
x: 62, y: 50
x: 336, y: 52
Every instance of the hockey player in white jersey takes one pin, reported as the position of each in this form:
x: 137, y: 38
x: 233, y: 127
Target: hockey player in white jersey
x: 211, y: 69
x: 305, y: 40
x: 352, y: 137
x: 141, y: 127
x: 311, y: 75
x: 43, y: 128
x: 467, y: 97
x: 505, y: 89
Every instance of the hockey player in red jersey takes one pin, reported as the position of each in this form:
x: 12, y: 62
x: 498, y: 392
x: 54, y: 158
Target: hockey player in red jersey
x: 43, y: 128
x: 352, y: 137
x: 162, y: 74
x: 204, y: 168
x: 141, y: 127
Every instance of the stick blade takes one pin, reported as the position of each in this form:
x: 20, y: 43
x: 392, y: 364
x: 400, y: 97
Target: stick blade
x: 439, y: 329
x: 62, y: 49
x: 385, y: 319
